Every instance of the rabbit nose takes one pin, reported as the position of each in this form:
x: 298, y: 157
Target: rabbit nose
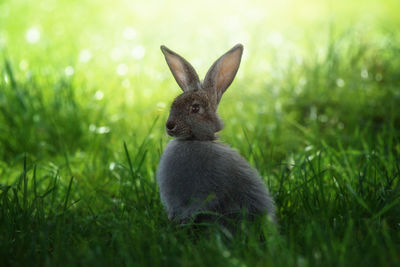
x: 171, y: 125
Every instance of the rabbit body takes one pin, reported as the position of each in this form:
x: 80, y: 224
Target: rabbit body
x: 196, y: 173
x: 196, y: 176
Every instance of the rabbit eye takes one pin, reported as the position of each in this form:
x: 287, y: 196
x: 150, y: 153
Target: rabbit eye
x: 195, y: 108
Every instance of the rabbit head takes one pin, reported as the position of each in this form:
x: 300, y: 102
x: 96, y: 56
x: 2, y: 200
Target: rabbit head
x: 193, y: 114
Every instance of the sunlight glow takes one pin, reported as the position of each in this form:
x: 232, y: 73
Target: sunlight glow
x: 23, y: 64
x: 111, y: 166
x: 103, y: 130
x: 85, y: 55
x: 122, y: 69
x: 138, y: 52
x: 129, y: 33
x: 364, y: 73
x: 99, y: 130
x: 275, y: 38
x: 92, y: 127
x: 161, y: 106
x: 32, y: 35
x: 99, y: 95
x: 116, y: 54
x: 340, y: 82
x: 69, y: 71
x: 126, y: 83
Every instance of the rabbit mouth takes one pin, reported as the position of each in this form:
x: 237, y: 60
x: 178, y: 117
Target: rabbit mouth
x: 171, y: 133
x: 180, y: 133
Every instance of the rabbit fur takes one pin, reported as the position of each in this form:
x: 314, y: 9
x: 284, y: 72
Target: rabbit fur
x: 196, y: 173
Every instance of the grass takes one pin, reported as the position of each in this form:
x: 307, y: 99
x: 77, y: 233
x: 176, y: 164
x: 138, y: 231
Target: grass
x: 318, y: 115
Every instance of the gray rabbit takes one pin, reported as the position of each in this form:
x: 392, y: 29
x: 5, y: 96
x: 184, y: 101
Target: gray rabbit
x: 197, y: 174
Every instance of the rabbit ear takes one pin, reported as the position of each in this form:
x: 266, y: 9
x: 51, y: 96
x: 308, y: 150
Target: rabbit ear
x: 222, y: 72
x: 183, y: 72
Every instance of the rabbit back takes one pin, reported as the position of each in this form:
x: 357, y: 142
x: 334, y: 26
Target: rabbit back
x: 198, y: 176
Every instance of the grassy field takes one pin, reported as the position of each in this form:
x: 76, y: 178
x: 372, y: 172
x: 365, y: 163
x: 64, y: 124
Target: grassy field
x: 315, y: 107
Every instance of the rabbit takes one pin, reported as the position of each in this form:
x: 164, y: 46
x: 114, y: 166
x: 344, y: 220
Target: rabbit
x: 197, y: 174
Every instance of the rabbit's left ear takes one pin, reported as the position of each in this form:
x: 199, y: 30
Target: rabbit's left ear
x: 222, y: 72
x: 183, y: 72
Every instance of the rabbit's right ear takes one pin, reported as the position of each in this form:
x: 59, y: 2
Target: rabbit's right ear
x: 222, y: 72
x: 183, y: 72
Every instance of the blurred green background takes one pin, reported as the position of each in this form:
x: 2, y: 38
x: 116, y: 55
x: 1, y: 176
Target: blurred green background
x: 85, y: 93
x: 107, y: 55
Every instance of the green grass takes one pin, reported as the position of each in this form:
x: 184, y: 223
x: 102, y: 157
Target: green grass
x: 315, y: 108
